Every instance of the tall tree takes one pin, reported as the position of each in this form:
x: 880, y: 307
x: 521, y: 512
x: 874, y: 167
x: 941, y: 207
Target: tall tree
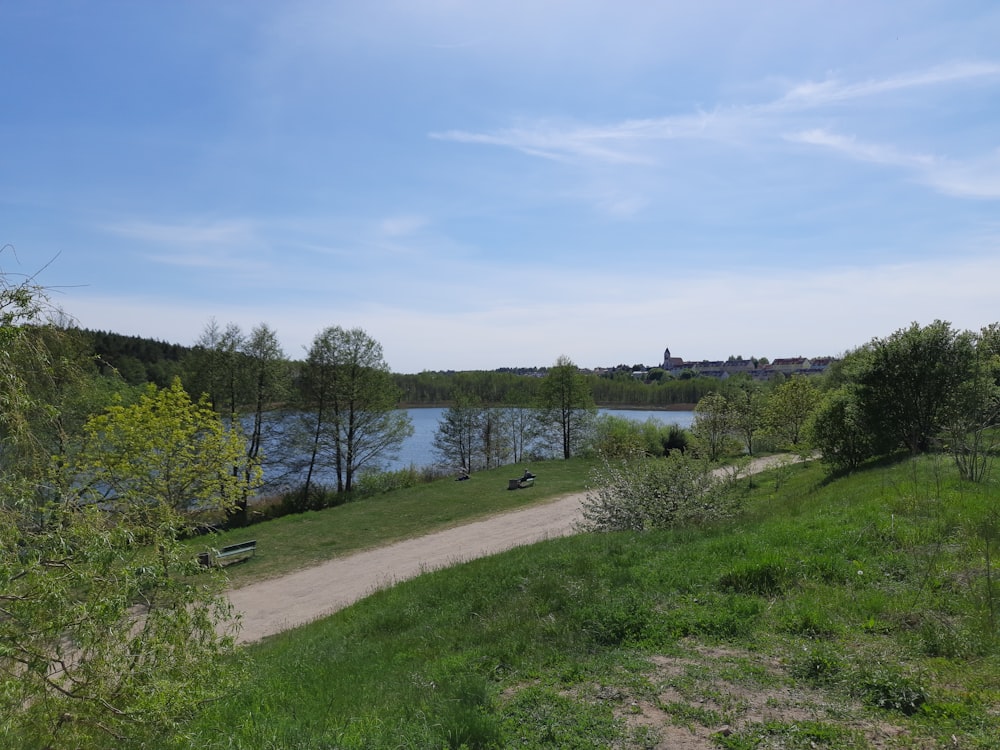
x: 352, y: 405
x: 267, y: 376
x: 216, y: 367
x: 566, y: 404
x: 457, y: 436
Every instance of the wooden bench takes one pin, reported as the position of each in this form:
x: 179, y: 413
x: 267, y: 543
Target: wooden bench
x: 241, y: 550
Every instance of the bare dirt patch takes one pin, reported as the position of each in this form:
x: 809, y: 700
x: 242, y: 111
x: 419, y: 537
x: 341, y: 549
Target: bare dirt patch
x: 713, y: 691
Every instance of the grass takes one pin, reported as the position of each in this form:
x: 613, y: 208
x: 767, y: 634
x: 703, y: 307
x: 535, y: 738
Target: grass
x: 297, y: 541
x: 853, y: 613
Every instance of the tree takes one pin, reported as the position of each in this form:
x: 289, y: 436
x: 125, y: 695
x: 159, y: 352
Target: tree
x: 455, y: 439
x: 789, y: 408
x: 268, y: 383
x: 838, y: 429
x: 106, y: 638
x: 712, y: 425
x: 566, y: 404
x: 216, y: 368
x: 164, y: 450
x: 746, y: 414
x: 973, y: 410
x: 905, y: 382
x: 352, y: 419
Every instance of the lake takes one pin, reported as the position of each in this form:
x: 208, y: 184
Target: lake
x: 418, y: 450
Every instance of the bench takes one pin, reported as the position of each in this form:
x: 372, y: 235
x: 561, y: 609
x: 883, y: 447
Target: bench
x: 520, y: 484
x: 243, y: 549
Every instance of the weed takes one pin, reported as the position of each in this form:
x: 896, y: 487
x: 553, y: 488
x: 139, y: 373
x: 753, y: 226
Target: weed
x: 794, y: 735
x: 766, y: 578
x: 818, y: 665
x: 888, y: 687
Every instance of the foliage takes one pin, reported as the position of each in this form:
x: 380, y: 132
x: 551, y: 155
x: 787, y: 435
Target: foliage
x: 640, y: 493
x: 712, y: 427
x: 472, y: 436
x: 351, y: 421
x: 135, y: 359
x: 746, y: 414
x: 620, y: 437
x: 838, y: 430
x: 973, y: 410
x: 911, y: 390
x: 164, y: 450
x: 789, y: 408
x: 905, y: 382
x: 456, y: 438
x: 566, y: 405
x: 104, y: 638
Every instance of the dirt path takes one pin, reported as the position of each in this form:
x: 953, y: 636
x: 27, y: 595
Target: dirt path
x: 279, y: 604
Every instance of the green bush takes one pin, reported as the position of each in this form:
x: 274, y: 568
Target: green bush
x: 655, y: 493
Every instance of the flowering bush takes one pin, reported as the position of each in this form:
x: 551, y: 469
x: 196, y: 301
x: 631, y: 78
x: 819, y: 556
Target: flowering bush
x: 641, y: 493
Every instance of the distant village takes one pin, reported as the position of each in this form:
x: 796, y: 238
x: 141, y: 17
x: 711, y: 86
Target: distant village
x: 756, y: 368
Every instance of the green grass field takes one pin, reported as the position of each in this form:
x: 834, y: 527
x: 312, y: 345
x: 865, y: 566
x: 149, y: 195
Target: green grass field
x: 296, y: 541
x: 859, y: 612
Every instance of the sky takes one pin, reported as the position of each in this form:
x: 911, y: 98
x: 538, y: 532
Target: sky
x: 498, y: 184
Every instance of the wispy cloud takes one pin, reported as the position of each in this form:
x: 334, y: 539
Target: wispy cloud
x: 963, y: 179
x: 639, y: 142
x: 402, y: 225
x: 187, y: 234
x: 614, y: 143
x: 235, y: 245
x: 832, y: 91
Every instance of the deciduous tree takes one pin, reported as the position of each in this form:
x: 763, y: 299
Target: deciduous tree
x: 566, y: 405
x: 712, y: 425
x: 789, y: 408
x: 106, y: 637
x: 352, y: 418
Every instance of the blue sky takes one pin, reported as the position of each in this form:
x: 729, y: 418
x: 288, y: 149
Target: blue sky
x: 489, y: 184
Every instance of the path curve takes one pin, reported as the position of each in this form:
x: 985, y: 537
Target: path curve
x: 277, y: 604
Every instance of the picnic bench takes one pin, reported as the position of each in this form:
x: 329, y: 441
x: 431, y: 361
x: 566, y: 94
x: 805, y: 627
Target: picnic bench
x: 240, y: 550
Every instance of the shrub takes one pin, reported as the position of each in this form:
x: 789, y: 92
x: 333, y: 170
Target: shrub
x: 887, y: 686
x: 655, y: 493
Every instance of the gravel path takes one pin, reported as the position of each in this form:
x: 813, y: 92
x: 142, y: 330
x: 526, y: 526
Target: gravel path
x: 278, y: 604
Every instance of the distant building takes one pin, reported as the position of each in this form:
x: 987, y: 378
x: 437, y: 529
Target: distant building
x: 672, y: 363
x: 718, y: 369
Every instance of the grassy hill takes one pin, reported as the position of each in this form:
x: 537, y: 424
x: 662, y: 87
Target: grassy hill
x: 859, y: 612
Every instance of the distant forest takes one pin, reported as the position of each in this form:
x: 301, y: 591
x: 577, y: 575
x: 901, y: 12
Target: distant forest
x: 139, y: 360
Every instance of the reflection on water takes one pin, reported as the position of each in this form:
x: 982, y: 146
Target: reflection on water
x: 418, y: 449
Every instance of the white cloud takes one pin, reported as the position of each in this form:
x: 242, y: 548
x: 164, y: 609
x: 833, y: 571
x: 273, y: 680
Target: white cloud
x: 963, y: 179
x: 617, y: 148
x: 402, y: 225
x: 813, y: 94
x: 194, y: 234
